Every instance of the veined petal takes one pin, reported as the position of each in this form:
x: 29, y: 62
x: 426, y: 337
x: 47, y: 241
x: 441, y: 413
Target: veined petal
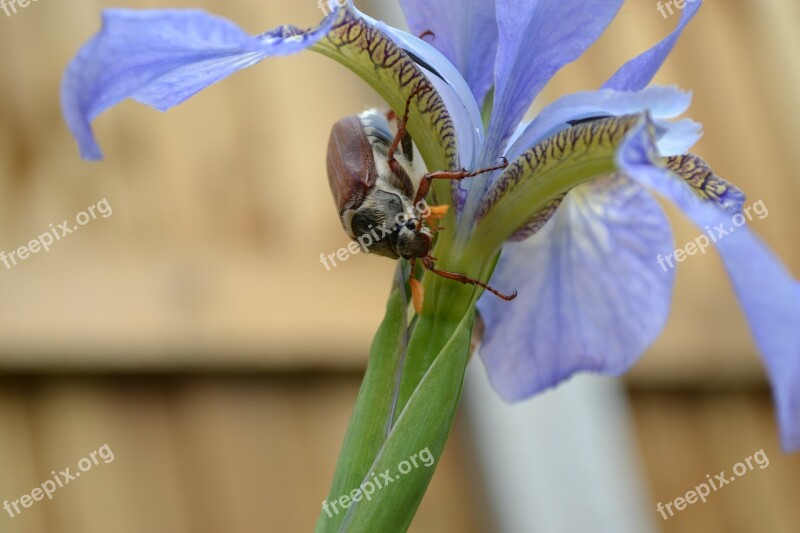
x: 161, y: 58
x: 638, y: 72
x: 450, y: 85
x: 361, y: 45
x: 659, y: 102
x: 705, y: 183
x: 465, y: 31
x: 592, y: 296
x: 536, y: 39
x: 768, y: 294
x: 541, y: 175
x: 691, y: 168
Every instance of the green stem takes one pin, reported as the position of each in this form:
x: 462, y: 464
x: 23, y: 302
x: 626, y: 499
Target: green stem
x: 413, y: 391
x: 374, y: 409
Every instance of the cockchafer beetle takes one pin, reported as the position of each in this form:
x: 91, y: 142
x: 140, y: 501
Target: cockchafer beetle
x: 378, y: 185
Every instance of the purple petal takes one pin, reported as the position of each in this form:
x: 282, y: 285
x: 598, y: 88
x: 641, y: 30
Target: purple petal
x: 705, y: 183
x: 638, y: 72
x: 591, y: 294
x: 161, y: 58
x: 536, y: 39
x: 465, y: 31
x: 660, y: 102
x: 450, y: 85
x: 768, y: 294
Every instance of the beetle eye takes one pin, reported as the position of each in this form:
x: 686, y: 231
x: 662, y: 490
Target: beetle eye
x: 411, y: 224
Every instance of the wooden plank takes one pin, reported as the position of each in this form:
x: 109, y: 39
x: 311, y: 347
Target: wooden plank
x: 685, y: 437
x: 20, y: 465
x: 197, y: 455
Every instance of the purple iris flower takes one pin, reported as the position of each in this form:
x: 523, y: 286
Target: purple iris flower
x: 589, y: 262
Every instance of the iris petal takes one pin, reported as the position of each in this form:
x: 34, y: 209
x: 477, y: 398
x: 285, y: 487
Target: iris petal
x: 465, y: 31
x: 705, y: 183
x: 638, y: 72
x: 528, y: 190
x: 536, y: 39
x: 594, y: 296
x: 381, y: 57
x: 449, y: 83
x: 768, y: 294
x: 161, y: 58
x: 660, y: 102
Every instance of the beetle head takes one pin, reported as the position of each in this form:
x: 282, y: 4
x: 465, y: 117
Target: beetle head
x: 386, y: 226
x: 412, y: 240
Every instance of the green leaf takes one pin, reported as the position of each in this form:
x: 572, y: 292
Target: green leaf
x: 374, y: 409
x: 423, y: 426
x: 382, y: 434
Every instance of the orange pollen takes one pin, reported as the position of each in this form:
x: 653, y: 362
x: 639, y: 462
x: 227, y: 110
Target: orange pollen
x: 417, y: 294
x: 437, y: 212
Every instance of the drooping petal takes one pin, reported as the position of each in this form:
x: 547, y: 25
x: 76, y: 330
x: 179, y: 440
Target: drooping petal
x: 161, y: 58
x: 592, y: 296
x: 531, y: 183
x: 465, y: 31
x: 449, y: 83
x: 397, y: 65
x: 707, y: 185
x: 536, y: 39
x: 768, y: 294
x: 693, y: 170
x: 660, y: 102
x: 638, y: 72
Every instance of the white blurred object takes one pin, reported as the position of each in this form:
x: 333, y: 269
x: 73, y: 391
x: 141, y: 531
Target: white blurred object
x: 565, y: 461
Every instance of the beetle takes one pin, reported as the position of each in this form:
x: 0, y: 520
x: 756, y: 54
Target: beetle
x: 378, y: 186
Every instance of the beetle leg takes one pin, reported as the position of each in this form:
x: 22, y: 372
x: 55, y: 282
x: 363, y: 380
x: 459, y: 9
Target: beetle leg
x: 408, y: 147
x: 462, y: 278
x: 417, y: 291
x: 402, y: 175
x: 425, y: 183
x: 403, y: 139
x: 402, y: 122
x: 406, y: 143
x: 412, y: 264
